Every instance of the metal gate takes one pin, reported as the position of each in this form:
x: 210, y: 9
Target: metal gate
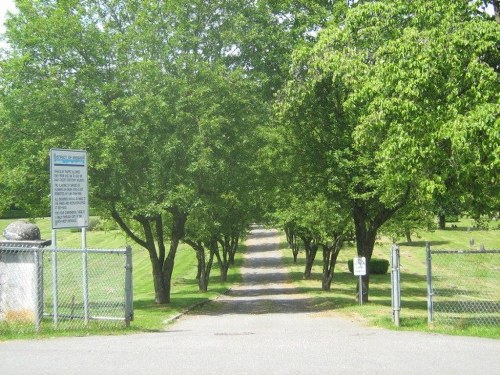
x: 463, y: 287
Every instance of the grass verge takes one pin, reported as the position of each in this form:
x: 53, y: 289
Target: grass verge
x: 148, y: 316
x: 378, y: 311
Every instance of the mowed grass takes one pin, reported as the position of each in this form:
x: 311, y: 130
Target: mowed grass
x: 148, y: 316
x: 378, y: 311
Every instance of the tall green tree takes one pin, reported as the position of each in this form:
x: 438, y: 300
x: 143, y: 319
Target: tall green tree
x: 144, y: 87
x: 372, y: 103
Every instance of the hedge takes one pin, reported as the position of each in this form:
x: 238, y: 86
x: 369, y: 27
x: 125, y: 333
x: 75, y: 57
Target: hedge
x: 376, y: 266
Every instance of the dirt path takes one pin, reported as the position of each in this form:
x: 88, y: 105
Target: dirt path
x: 266, y: 286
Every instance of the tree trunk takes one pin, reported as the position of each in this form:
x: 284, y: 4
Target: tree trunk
x: 311, y: 250
x: 291, y: 239
x: 288, y: 234
x: 158, y: 283
x: 204, y: 267
x: 233, y: 248
x: 368, y: 217
x: 310, y: 260
x: 295, y: 248
x: 365, y: 241
x: 408, y: 235
x: 330, y: 255
x: 200, y: 256
x: 177, y: 233
x: 223, y: 260
x: 162, y: 267
x: 442, y: 221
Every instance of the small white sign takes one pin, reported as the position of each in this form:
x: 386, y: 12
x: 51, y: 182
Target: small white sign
x: 69, y: 189
x: 359, y: 266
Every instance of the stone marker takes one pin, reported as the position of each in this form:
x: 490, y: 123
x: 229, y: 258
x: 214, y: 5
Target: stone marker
x: 21, y: 231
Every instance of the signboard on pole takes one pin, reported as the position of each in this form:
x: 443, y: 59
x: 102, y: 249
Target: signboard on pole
x: 69, y: 189
x: 359, y: 266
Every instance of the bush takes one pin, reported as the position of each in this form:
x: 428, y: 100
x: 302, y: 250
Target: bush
x: 94, y: 224
x: 376, y: 266
x: 14, y: 214
x: 482, y: 223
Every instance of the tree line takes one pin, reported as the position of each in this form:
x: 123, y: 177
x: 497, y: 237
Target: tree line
x: 330, y: 119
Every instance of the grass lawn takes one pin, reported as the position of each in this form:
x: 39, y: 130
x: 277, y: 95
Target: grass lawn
x: 148, y: 316
x: 378, y: 312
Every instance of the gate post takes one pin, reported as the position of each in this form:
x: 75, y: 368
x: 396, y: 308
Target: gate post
x: 430, y: 292
x: 129, y: 300
x: 395, y: 284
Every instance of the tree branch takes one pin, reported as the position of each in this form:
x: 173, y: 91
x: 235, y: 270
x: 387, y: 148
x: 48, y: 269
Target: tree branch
x: 116, y: 216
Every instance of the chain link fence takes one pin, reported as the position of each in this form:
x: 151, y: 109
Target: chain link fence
x: 463, y: 287
x: 64, y: 289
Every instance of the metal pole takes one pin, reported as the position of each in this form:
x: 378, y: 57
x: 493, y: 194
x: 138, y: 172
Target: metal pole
x: 360, y: 290
x: 129, y: 307
x: 85, y: 277
x: 396, y: 284
x: 38, y: 291
x: 430, y: 292
x: 54, y: 277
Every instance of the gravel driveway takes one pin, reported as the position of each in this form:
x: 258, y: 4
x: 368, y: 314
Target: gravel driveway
x: 261, y: 327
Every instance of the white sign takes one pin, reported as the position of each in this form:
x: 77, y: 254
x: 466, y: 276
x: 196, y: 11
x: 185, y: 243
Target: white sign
x: 69, y: 189
x: 359, y: 266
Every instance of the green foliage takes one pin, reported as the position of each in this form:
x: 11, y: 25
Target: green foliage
x: 395, y: 105
x: 375, y: 266
x: 13, y: 214
x: 413, y: 219
x: 482, y: 223
x: 167, y: 118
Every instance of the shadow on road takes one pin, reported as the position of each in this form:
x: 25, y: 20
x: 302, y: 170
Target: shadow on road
x: 267, y: 288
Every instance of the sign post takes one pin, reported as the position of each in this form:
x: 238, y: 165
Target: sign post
x: 359, y: 268
x: 69, y: 208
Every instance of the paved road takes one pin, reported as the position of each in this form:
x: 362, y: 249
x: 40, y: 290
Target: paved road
x: 261, y: 327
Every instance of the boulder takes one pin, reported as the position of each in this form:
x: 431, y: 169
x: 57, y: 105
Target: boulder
x: 21, y: 231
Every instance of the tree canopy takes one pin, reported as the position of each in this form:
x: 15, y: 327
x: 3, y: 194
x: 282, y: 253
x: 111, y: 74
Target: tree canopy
x: 146, y: 89
x: 393, y: 99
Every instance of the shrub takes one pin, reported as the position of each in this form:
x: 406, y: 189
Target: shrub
x: 14, y: 214
x: 94, y: 224
x: 482, y: 223
x: 375, y: 267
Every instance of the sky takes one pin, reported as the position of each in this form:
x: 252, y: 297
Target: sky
x: 5, y: 5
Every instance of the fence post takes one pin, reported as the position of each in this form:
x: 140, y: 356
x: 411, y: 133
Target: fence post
x: 395, y: 284
x: 129, y: 301
x: 38, y: 261
x: 85, y: 277
x: 55, y: 299
x: 430, y: 292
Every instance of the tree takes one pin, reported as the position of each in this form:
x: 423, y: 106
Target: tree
x: 141, y: 86
x: 373, y: 101
x: 411, y: 220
